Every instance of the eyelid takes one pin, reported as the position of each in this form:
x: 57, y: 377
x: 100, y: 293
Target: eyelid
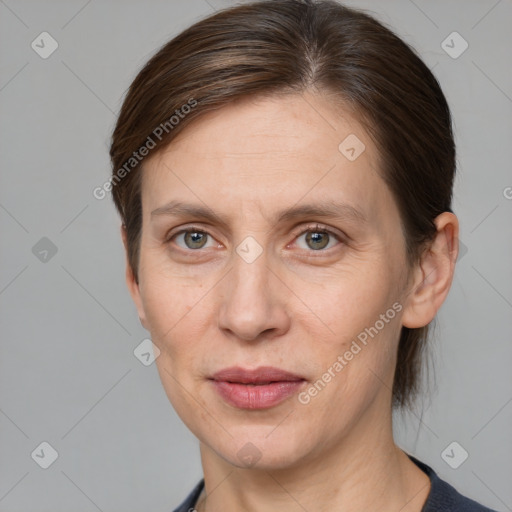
x: 316, y: 226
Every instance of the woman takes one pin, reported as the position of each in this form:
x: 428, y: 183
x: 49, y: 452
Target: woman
x: 284, y: 175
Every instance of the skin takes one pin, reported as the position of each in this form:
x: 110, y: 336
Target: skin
x: 295, y: 307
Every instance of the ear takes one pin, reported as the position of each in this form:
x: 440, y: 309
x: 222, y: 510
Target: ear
x: 131, y: 282
x: 433, y: 275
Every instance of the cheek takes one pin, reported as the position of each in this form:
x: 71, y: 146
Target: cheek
x: 353, y: 334
x: 175, y: 312
x: 177, y: 315
x: 170, y: 293
x: 352, y: 371
x: 342, y: 303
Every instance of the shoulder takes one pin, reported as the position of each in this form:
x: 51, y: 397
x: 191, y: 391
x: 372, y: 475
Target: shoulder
x: 445, y: 498
x: 442, y: 498
x: 190, y: 500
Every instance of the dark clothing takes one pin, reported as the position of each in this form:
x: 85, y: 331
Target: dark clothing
x: 442, y: 497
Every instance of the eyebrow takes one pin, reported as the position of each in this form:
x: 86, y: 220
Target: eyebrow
x: 325, y: 209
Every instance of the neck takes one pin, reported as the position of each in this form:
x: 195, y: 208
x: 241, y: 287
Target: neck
x: 364, y: 470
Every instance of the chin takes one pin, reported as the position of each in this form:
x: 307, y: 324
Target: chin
x: 259, y: 450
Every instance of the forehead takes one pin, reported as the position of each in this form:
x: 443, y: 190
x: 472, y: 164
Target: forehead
x: 269, y: 128
x: 266, y: 152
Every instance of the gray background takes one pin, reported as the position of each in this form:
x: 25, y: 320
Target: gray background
x: 68, y: 372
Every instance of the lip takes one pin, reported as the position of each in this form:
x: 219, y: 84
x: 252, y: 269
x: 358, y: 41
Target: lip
x: 259, y: 375
x: 260, y: 388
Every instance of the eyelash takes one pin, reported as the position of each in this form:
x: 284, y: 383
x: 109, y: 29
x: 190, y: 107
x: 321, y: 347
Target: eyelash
x: 316, y: 228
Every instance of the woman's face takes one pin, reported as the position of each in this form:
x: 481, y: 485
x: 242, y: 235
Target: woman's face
x: 265, y: 286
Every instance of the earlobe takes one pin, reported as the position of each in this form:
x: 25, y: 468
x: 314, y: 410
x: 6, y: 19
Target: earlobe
x: 432, y: 277
x: 131, y: 282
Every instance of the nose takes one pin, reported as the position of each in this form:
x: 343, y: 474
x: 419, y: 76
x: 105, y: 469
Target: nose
x: 254, y: 301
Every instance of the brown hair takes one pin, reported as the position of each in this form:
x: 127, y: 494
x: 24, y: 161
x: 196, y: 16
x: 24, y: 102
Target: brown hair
x: 280, y: 46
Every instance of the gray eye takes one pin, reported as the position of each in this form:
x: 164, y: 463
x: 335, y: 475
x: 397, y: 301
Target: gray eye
x: 317, y: 239
x: 195, y: 239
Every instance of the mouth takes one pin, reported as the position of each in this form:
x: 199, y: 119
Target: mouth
x: 258, y: 376
x: 261, y: 388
